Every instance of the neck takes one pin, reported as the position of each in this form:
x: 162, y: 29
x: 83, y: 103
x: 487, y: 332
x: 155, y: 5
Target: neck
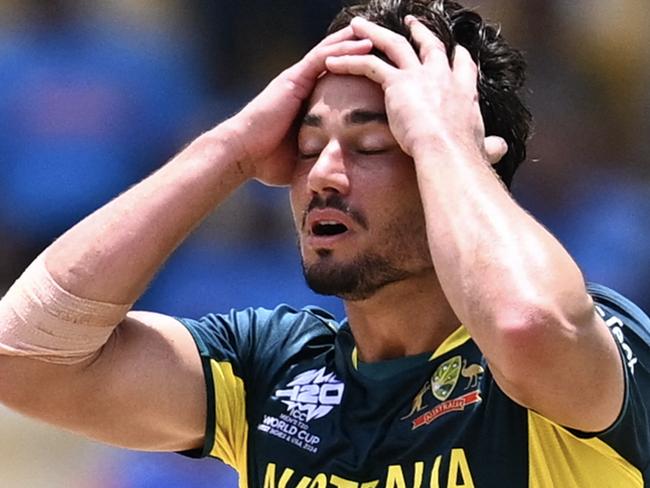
x: 405, y: 318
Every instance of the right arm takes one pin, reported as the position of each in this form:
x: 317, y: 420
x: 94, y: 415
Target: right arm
x: 144, y: 388
x: 128, y: 393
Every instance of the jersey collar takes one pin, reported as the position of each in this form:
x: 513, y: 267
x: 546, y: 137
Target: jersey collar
x: 456, y: 339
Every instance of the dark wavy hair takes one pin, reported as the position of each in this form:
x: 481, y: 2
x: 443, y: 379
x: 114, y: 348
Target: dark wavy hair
x: 501, y: 67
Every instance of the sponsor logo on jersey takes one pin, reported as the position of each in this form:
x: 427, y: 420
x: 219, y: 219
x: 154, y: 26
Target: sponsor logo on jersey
x: 442, y: 384
x: 616, y: 326
x: 311, y: 395
x: 314, y: 392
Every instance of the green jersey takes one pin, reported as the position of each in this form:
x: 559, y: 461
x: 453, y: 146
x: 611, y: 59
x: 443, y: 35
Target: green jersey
x: 289, y: 407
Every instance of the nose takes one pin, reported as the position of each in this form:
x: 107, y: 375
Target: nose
x: 329, y: 172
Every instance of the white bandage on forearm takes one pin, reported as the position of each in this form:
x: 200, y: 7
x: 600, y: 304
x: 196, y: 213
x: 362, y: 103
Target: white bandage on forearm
x: 40, y: 320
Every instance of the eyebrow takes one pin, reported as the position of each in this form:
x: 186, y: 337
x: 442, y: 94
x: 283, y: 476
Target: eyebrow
x: 312, y: 120
x: 355, y: 117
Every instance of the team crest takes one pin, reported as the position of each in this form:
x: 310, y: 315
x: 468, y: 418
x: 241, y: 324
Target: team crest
x: 445, y: 378
x: 442, y: 384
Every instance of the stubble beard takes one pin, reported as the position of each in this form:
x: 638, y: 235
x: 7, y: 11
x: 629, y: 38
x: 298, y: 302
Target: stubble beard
x: 404, y: 255
x: 353, y: 281
x: 404, y: 252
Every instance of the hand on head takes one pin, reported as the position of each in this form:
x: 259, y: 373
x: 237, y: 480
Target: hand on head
x: 430, y: 101
x: 263, y: 133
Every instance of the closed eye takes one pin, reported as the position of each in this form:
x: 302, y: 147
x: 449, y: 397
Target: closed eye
x: 371, y: 152
x: 306, y: 156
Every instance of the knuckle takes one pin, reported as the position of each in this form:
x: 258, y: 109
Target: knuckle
x: 436, y: 43
x: 375, y: 63
x: 399, y: 42
x: 312, y: 55
x: 321, y: 51
x: 430, y: 50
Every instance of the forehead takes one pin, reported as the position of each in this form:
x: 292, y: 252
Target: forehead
x: 345, y: 93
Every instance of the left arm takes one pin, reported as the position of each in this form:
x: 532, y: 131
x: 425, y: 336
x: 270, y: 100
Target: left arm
x: 511, y: 283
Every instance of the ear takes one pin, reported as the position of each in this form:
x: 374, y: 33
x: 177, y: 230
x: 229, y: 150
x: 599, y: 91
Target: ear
x: 495, y: 148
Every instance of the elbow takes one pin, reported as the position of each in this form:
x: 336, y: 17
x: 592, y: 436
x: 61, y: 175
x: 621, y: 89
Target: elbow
x: 531, y: 339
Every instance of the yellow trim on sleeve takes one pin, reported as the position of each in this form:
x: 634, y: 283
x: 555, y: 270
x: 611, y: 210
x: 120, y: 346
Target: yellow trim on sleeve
x: 559, y: 459
x: 456, y: 339
x: 231, y: 436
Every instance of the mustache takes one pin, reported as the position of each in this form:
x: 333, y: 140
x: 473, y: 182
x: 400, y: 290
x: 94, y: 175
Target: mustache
x: 336, y: 202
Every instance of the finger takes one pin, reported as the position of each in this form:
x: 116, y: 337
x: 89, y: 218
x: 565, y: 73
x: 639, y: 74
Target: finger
x: 369, y: 66
x: 431, y: 48
x: 341, y: 35
x: 350, y: 47
x: 464, y: 67
x: 394, y: 45
x: 313, y: 64
x: 495, y: 148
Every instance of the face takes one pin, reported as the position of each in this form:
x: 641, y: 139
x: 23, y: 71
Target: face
x: 354, y: 194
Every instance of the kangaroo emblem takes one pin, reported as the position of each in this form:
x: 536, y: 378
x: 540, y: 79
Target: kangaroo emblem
x: 471, y: 372
x: 418, y: 401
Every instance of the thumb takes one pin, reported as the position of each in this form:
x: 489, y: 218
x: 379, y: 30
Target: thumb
x: 495, y: 148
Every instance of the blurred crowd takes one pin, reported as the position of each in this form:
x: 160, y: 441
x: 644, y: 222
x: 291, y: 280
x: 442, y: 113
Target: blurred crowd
x: 96, y: 95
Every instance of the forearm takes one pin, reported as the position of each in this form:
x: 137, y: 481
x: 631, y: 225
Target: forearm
x: 519, y: 294
x: 111, y: 255
x: 498, y: 267
x: 517, y: 291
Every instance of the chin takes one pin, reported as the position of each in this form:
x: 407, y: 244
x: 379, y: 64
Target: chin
x: 356, y: 280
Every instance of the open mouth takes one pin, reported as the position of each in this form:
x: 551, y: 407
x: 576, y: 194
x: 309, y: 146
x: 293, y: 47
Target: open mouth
x: 328, y: 228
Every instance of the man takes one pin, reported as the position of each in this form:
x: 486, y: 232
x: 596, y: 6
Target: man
x: 400, y: 212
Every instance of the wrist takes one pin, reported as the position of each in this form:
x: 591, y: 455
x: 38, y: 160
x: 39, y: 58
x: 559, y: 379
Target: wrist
x: 227, y: 142
x: 445, y: 151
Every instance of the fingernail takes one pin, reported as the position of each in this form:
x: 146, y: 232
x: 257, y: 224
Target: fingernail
x: 409, y: 19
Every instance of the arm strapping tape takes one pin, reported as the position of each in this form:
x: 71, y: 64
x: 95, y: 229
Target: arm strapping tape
x: 41, y: 320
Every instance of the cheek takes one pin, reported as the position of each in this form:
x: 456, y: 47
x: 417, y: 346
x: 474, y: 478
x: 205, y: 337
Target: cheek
x: 398, y: 190
x: 401, y: 206
x: 298, y: 205
x: 301, y: 170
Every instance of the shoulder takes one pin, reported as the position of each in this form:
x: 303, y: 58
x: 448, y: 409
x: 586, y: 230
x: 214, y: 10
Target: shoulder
x: 253, y: 331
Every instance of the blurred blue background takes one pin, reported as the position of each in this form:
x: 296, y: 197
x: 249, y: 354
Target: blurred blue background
x: 95, y: 95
